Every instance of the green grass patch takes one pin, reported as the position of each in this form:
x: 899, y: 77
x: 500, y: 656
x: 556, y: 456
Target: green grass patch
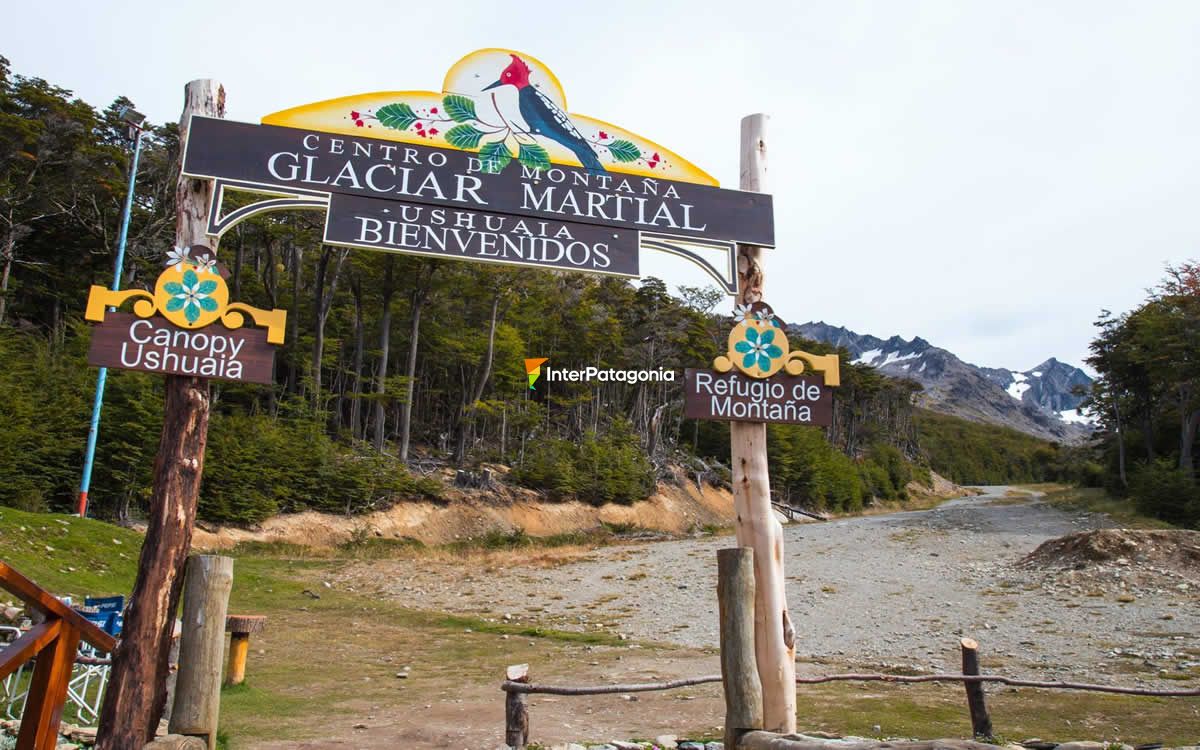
x: 1096, y: 500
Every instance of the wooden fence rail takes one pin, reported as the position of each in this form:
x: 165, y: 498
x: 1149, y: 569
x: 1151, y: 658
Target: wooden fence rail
x: 735, y: 594
x: 54, y: 643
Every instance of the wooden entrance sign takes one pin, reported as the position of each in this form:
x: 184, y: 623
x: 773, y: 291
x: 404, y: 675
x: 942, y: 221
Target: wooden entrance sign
x: 491, y: 169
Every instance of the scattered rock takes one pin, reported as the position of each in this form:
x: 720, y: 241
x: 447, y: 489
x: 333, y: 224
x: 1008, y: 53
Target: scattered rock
x: 667, y: 741
x: 176, y: 742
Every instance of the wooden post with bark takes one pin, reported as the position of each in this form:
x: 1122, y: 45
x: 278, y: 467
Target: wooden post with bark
x: 981, y: 723
x: 757, y: 527
x: 136, y: 693
x: 206, y: 588
x: 516, y: 710
x: 739, y: 670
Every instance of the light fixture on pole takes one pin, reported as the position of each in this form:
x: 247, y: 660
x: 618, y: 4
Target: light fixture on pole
x: 133, y: 119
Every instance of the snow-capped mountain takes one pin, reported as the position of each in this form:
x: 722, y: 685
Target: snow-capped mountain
x: 1040, y: 401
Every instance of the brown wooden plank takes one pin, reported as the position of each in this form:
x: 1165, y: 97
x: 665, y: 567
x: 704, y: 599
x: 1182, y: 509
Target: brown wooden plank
x: 48, y: 693
x: 27, y: 646
x: 45, y: 602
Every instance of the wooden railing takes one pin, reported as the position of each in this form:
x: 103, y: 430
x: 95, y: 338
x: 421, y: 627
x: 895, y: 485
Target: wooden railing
x: 54, y: 642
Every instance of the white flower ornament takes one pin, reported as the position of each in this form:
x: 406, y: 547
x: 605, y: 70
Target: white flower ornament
x: 178, y: 255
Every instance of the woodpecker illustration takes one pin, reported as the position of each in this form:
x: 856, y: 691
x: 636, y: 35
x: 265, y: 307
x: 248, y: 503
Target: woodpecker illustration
x: 543, y: 116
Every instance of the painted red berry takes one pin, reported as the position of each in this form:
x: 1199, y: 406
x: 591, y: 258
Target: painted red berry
x: 353, y: 115
x: 359, y: 123
x: 603, y: 135
x: 433, y: 131
x: 434, y: 110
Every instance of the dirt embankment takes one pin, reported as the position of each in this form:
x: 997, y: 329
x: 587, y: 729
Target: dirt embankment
x: 675, y: 508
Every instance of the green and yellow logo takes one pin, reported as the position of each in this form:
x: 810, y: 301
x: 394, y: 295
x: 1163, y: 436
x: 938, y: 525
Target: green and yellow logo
x: 533, y: 368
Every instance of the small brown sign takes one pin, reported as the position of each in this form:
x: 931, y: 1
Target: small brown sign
x: 153, y: 344
x: 466, y: 234
x: 735, y: 397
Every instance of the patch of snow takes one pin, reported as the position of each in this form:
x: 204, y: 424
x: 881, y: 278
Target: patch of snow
x: 1017, y: 388
x: 1037, y: 373
x: 1074, y: 416
x: 894, y: 357
x: 867, y: 357
x: 922, y: 368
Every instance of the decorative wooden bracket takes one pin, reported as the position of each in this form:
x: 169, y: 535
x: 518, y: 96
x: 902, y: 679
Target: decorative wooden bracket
x: 100, y: 299
x: 717, y: 259
x: 283, y: 200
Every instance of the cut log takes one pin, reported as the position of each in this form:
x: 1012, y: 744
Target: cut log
x: 739, y: 669
x: 981, y: 723
x: 516, y: 708
x: 198, y: 689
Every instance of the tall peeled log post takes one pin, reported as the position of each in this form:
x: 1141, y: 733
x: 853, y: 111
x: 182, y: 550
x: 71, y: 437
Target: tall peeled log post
x: 774, y: 637
x: 136, y: 694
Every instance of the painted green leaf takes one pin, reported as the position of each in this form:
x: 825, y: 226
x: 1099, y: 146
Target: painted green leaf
x: 624, y: 151
x: 463, y: 136
x: 533, y: 156
x: 399, y: 116
x: 459, y: 107
x: 495, y: 156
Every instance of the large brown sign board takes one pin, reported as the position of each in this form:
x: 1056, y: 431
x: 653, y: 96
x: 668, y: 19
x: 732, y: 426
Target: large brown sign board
x: 290, y: 158
x: 735, y: 397
x: 153, y: 344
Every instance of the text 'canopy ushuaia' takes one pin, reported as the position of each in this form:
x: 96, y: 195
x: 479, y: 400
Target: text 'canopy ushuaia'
x: 491, y: 169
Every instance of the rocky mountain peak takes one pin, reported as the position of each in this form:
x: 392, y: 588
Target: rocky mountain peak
x: 1043, y: 401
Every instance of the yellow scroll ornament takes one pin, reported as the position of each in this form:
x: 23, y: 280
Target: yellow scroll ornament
x: 758, y: 347
x: 189, y: 293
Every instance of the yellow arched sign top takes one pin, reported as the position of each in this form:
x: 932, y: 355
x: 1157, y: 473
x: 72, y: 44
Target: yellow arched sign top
x: 505, y: 105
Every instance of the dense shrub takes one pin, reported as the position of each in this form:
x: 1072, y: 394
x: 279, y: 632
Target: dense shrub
x: 973, y: 453
x: 1161, y: 490
x: 609, y: 468
x: 257, y: 467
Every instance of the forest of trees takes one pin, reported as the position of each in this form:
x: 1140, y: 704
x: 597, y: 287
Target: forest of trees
x: 393, y: 367
x: 1147, y: 397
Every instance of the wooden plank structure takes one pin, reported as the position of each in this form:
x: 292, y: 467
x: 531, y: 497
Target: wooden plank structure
x: 54, y: 643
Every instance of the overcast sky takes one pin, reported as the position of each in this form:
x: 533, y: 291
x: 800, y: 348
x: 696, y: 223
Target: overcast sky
x: 987, y: 175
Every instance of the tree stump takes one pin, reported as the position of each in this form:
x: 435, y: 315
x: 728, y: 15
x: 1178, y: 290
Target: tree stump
x: 240, y: 628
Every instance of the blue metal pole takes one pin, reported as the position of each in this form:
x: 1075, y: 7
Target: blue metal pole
x: 102, y: 377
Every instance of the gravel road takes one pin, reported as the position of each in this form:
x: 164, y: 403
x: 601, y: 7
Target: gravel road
x: 894, y: 590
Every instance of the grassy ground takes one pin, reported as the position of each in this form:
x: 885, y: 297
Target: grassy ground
x: 1097, y: 500
x: 327, y: 667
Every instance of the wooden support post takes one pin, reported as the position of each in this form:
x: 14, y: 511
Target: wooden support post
x: 201, y: 646
x: 240, y: 627
x: 739, y: 669
x: 136, y: 693
x: 981, y: 723
x: 516, y: 710
x: 48, y: 691
x: 774, y: 638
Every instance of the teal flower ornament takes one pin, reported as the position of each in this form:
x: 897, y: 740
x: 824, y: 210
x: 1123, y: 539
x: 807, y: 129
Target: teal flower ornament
x: 758, y: 348
x: 191, y: 296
